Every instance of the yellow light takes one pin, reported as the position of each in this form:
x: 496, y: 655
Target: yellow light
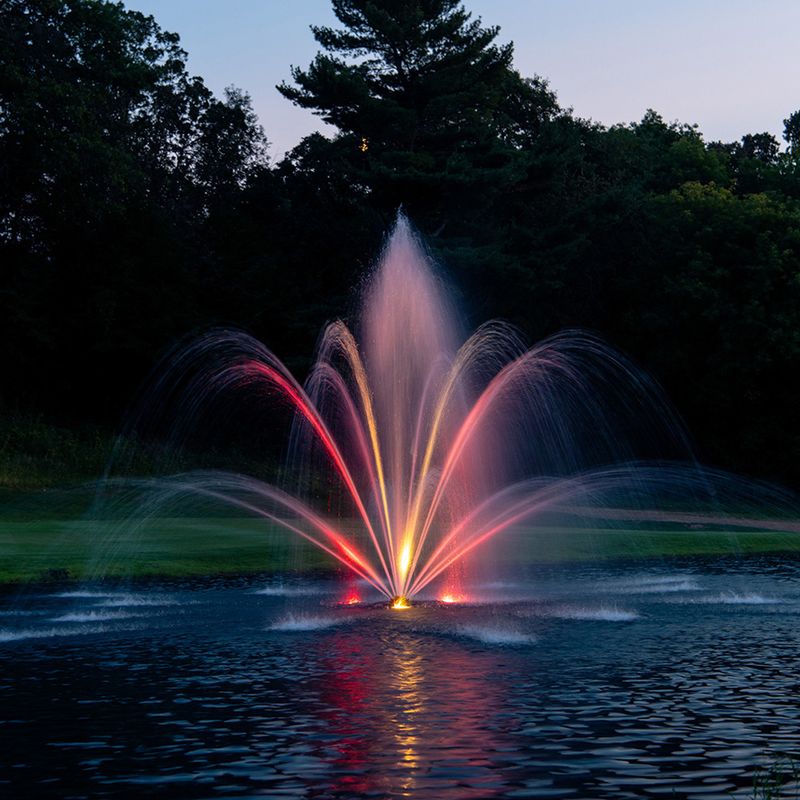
x: 364, y: 144
x: 404, y: 561
x: 399, y: 603
x: 448, y: 598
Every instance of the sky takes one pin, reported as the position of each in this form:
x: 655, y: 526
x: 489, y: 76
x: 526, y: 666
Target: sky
x: 728, y: 65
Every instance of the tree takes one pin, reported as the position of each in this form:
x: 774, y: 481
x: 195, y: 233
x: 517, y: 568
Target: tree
x: 135, y: 206
x: 761, y: 147
x: 429, y: 107
x: 791, y: 130
x: 712, y: 305
x: 112, y: 158
x: 755, y: 163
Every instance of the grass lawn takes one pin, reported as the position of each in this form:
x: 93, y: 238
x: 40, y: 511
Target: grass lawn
x: 47, y: 534
x: 48, y: 549
x: 53, y: 548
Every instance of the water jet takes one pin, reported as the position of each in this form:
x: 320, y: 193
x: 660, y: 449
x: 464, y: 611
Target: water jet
x: 414, y: 447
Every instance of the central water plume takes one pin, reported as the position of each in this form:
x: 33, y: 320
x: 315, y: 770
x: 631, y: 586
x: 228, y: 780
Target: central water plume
x: 413, y: 446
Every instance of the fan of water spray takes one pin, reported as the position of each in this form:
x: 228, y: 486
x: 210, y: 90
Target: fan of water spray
x: 436, y: 444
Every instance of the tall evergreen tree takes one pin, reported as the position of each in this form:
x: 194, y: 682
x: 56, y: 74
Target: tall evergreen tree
x: 430, y: 110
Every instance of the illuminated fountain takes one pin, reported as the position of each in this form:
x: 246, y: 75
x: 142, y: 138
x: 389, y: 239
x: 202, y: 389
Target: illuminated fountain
x: 432, y: 444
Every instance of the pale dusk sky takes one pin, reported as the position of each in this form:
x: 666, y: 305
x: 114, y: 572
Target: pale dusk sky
x: 729, y: 66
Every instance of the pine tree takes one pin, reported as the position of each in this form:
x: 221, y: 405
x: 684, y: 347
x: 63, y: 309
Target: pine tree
x: 428, y: 105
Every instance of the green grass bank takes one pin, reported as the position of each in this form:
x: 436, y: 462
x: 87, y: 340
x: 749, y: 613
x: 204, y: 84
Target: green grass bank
x: 86, y: 549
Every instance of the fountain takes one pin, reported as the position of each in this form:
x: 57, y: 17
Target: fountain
x: 417, y: 457
x: 432, y: 444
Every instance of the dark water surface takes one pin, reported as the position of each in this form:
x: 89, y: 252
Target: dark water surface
x: 617, y: 681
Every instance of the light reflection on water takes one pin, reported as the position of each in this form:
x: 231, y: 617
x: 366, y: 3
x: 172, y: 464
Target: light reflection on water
x: 601, y: 686
x: 427, y: 707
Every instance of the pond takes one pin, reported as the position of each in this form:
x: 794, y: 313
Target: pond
x: 675, y: 679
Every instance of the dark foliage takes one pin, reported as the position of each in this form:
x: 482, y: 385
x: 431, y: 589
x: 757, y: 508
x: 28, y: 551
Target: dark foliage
x: 136, y: 207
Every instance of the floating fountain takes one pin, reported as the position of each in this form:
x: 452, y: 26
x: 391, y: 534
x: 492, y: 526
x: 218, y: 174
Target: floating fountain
x: 432, y: 444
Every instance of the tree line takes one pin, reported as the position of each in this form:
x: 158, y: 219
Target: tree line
x: 136, y: 208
